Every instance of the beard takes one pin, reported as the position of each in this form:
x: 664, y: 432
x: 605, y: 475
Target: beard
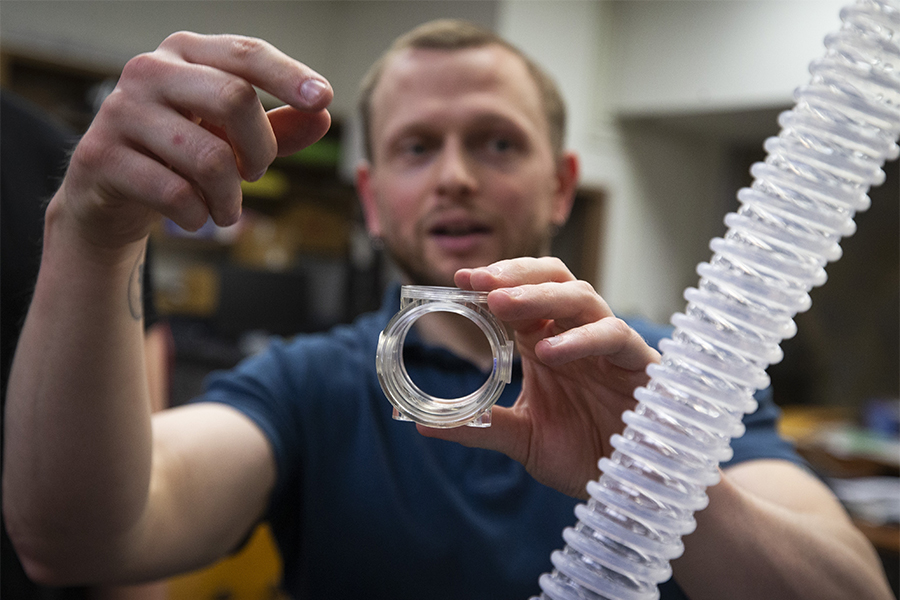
x: 413, y: 262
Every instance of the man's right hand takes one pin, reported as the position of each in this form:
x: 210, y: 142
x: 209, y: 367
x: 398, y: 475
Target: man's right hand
x: 95, y: 488
x: 181, y: 130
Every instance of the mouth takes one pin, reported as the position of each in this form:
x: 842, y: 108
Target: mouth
x: 459, y: 235
x: 459, y: 229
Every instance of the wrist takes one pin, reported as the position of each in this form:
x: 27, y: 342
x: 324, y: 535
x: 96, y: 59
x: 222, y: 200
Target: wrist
x: 87, y: 241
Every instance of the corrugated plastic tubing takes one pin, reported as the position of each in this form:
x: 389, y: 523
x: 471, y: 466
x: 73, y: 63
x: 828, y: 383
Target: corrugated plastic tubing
x: 802, y: 201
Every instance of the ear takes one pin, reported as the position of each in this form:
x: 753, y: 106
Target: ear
x: 366, y: 193
x: 567, y: 171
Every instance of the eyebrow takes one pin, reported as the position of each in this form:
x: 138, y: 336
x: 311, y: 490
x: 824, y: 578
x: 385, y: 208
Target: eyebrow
x: 480, y: 121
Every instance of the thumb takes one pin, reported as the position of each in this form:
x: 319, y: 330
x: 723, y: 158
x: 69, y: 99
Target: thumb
x: 508, y: 433
x: 295, y: 130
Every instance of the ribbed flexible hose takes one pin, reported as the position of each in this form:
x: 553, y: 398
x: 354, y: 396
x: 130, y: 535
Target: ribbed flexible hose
x: 802, y: 202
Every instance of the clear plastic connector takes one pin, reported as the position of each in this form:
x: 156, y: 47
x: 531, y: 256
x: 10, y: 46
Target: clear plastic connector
x: 410, y: 402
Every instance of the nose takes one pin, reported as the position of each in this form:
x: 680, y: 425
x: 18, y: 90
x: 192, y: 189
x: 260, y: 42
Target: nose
x: 456, y: 174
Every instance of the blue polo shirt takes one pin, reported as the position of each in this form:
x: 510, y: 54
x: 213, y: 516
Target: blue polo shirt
x: 365, y: 507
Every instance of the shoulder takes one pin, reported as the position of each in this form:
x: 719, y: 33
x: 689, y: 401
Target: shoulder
x: 305, y: 362
x: 298, y: 390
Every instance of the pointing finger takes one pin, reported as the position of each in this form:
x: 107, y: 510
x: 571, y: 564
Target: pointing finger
x: 570, y: 303
x: 518, y: 271
x: 258, y: 62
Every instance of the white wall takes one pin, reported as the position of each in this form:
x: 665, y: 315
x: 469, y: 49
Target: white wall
x: 688, y: 54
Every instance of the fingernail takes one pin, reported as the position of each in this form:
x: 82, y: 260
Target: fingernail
x: 513, y: 292
x: 494, y: 270
x: 312, y: 90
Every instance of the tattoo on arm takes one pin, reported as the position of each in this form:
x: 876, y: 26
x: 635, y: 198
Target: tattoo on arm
x: 136, y: 288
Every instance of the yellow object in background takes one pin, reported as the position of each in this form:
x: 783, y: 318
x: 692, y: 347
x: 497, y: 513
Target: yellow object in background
x: 189, y: 290
x: 252, y: 574
x: 273, y: 185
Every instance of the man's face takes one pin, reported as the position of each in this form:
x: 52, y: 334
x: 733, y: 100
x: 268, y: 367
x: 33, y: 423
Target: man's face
x: 462, y: 170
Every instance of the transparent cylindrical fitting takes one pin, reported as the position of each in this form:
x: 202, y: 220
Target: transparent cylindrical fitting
x: 410, y: 402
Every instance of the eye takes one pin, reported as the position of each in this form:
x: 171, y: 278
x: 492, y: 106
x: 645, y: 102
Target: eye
x: 414, y: 148
x: 501, y: 144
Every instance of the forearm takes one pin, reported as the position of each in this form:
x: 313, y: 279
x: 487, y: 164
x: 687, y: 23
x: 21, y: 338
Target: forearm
x: 748, y: 546
x: 78, y: 442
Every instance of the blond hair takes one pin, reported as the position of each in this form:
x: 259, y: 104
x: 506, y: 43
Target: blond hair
x: 455, y: 34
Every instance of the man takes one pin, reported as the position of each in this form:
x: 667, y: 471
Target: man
x: 465, y: 179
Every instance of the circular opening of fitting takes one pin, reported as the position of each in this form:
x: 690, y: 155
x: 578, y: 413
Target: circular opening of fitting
x: 410, y: 402
x: 438, y: 386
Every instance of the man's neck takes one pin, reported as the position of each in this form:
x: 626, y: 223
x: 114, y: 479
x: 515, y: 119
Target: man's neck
x: 458, y: 335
